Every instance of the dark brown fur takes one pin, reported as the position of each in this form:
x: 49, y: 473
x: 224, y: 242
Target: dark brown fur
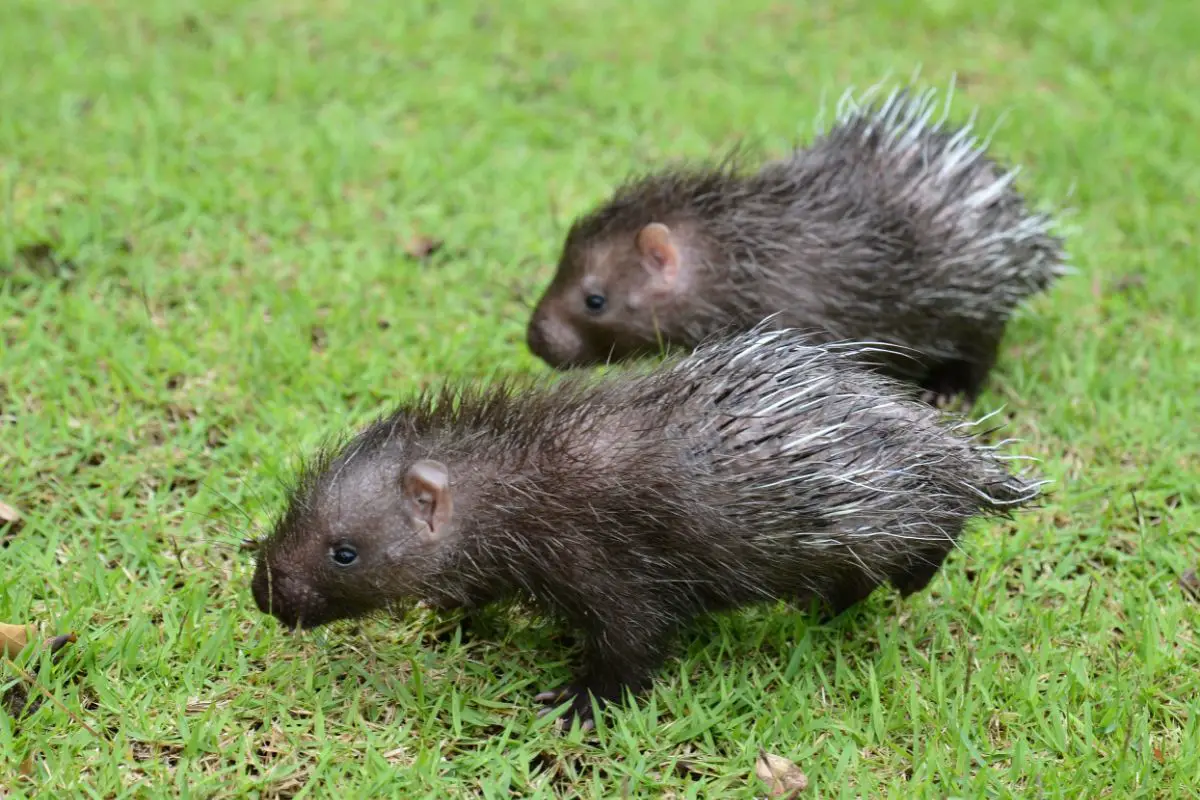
x: 758, y: 468
x: 886, y: 229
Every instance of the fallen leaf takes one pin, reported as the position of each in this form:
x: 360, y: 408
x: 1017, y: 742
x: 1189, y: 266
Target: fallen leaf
x: 1190, y: 583
x: 57, y: 643
x: 9, y: 516
x: 422, y: 247
x: 783, y: 778
x: 13, y: 638
x: 398, y: 755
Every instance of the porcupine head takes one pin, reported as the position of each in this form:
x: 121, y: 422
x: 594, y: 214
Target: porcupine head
x: 625, y: 279
x: 356, y: 537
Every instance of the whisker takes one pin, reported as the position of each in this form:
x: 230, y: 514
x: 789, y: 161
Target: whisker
x: 232, y: 503
x: 228, y: 528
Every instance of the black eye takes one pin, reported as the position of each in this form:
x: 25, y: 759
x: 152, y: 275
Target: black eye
x: 343, y: 555
x: 594, y: 302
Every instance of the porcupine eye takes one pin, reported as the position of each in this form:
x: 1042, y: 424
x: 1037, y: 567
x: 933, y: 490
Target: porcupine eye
x: 594, y: 302
x: 343, y: 555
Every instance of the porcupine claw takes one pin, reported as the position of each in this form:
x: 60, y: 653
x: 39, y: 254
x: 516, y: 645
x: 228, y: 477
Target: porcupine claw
x: 552, y: 696
x: 944, y: 399
x: 580, y: 708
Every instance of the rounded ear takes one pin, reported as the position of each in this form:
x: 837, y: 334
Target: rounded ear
x: 659, y: 253
x: 428, y: 499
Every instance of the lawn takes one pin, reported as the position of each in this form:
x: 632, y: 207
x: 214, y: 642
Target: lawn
x: 213, y: 225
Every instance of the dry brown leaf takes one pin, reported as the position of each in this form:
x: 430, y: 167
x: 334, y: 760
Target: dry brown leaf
x: 398, y: 755
x: 9, y: 516
x: 422, y: 247
x: 196, y: 704
x: 783, y: 778
x: 56, y: 643
x: 13, y: 638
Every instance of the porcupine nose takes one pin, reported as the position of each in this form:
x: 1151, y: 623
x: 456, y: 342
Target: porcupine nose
x: 552, y: 341
x: 275, y: 594
x: 535, y: 338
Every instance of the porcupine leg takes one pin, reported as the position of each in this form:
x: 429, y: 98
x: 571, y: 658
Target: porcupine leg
x: 958, y: 378
x: 849, y: 592
x: 921, y: 569
x: 961, y: 377
x: 616, y: 658
x: 977, y: 374
x: 908, y: 579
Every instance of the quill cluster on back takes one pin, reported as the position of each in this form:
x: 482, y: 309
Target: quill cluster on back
x: 892, y: 227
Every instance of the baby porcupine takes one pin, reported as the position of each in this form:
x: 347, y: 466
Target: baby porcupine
x: 892, y: 227
x: 757, y: 468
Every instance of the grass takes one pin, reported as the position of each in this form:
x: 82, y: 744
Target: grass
x: 205, y: 213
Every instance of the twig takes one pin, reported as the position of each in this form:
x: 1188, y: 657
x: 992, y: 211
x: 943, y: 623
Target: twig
x: 1087, y: 598
x: 32, y: 681
x: 970, y: 672
x: 178, y: 556
x: 1138, y: 509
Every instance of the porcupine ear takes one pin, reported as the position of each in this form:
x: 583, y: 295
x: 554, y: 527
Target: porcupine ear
x: 659, y: 254
x: 427, y: 498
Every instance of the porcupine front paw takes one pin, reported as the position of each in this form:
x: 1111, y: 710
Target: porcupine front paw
x: 938, y: 400
x: 580, y: 708
x: 944, y: 396
x: 957, y: 380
